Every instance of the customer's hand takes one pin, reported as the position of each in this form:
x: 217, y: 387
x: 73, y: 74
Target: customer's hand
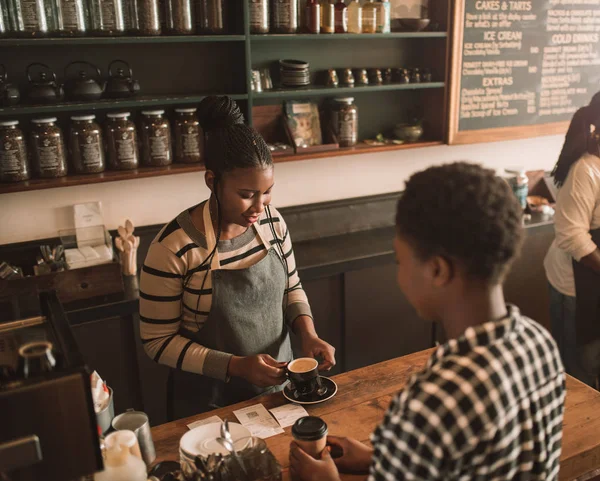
x: 303, y: 467
x: 354, y: 456
x: 313, y: 346
x: 261, y: 370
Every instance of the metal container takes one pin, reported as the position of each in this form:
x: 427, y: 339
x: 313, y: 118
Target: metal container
x: 106, y: 416
x: 139, y: 423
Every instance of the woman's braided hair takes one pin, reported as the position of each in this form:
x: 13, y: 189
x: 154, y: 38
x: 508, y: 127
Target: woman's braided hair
x: 230, y: 143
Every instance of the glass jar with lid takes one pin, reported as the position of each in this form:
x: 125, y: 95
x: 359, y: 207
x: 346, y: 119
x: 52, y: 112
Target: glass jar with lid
x: 180, y: 17
x: 345, y: 121
x: 107, y: 17
x: 188, y: 136
x: 121, y: 142
x: 211, y: 16
x: 86, y: 145
x: 285, y: 16
x: 14, y: 165
x: 259, y: 16
x: 48, y: 155
x: 144, y: 17
x: 155, y: 139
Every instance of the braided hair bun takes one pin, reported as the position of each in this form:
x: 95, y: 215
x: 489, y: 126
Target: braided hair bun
x: 230, y: 143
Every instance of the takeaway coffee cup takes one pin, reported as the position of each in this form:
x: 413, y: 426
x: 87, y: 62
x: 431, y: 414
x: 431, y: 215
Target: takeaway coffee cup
x: 304, y: 375
x: 310, y: 433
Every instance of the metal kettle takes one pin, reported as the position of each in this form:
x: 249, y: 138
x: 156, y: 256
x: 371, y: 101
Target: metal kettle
x: 81, y: 86
x: 45, y: 88
x: 9, y: 94
x: 120, y: 84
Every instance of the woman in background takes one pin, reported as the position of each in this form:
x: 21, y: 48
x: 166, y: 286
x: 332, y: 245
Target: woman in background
x: 573, y: 261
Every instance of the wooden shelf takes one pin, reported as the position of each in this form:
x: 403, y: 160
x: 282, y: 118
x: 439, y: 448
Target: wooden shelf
x: 113, y: 176
x: 71, y: 41
x: 346, y: 36
x: 110, y: 104
x: 316, y: 91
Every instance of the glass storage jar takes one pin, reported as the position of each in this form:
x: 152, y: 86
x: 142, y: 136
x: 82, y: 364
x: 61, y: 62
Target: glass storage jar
x: 48, y: 155
x: 259, y: 16
x: 345, y: 121
x: 35, y: 18
x: 188, y: 136
x: 180, y: 17
x: 14, y: 165
x: 327, y: 17
x: 86, y: 145
x: 144, y: 16
x: 155, y: 137
x: 211, y: 16
x: 285, y: 16
x: 5, y: 20
x: 72, y: 16
x: 107, y: 17
x: 121, y: 142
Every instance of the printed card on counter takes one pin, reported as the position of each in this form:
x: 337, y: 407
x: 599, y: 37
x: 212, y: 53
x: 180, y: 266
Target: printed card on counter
x: 258, y: 421
x: 287, y: 414
x: 202, y: 422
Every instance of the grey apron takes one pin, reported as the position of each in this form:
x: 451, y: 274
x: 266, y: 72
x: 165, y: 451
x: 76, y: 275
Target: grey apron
x: 246, y: 318
x: 587, y: 314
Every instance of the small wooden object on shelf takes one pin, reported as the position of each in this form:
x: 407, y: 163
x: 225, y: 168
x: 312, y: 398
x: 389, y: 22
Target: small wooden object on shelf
x: 127, y: 245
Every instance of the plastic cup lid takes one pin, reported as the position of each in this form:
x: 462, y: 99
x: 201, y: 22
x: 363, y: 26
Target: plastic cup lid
x: 153, y: 112
x: 309, y: 428
x: 47, y: 120
x: 118, y: 115
x: 9, y: 123
x: 83, y: 117
x: 186, y: 111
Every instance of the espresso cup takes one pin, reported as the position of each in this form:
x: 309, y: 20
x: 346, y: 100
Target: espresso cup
x: 304, y: 375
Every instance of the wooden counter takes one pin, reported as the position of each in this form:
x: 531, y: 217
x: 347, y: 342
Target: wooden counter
x: 363, y: 397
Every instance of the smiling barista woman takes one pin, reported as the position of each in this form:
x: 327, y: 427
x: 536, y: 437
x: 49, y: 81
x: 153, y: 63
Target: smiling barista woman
x: 219, y: 288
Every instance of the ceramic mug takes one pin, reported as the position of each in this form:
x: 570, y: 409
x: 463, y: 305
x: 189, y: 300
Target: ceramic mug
x: 303, y: 373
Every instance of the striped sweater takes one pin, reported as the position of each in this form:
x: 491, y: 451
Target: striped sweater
x: 176, y: 291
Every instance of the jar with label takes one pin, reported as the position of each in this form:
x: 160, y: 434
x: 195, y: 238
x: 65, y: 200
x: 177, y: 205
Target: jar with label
x: 86, y: 145
x: 384, y: 16
x: 369, y: 17
x: 145, y: 17
x: 34, y: 18
x: 155, y: 136
x: 341, y: 17
x: 5, y: 19
x: 345, y: 121
x: 285, y: 16
x: 211, y: 16
x: 72, y: 17
x: 259, y: 16
x: 48, y: 155
x: 327, y: 17
x: 107, y: 17
x: 14, y: 165
x: 188, y: 136
x: 121, y: 142
x: 180, y: 17
x: 312, y: 16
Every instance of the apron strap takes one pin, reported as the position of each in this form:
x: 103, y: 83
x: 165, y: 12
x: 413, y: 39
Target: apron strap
x: 211, y: 240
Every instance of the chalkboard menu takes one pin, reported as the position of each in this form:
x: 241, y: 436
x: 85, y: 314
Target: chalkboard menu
x: 522, y: 67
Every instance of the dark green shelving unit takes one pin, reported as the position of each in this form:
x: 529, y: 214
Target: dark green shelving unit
x: 315, y: 91
x: 182, y: 70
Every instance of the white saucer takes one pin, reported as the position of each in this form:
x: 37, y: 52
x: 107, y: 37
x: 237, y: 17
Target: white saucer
x: 202, y: 441
x: 330, y: 391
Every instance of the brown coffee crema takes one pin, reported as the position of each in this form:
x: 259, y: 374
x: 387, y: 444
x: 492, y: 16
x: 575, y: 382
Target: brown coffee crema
x: 302, y: 364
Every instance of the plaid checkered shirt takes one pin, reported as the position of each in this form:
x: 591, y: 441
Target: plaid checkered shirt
x: 488, y: 406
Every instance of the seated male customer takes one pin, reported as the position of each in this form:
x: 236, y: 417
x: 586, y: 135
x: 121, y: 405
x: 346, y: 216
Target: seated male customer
x: 489, y: 403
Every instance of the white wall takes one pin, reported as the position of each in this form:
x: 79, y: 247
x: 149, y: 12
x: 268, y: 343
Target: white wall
x: 40, y: 214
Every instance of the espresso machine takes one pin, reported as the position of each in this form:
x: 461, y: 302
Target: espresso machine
x: 48, y: 427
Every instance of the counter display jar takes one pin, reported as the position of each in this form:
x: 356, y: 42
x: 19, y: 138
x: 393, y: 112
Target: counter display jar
x: 47, y: 149
x: 86, y: 145
x: 180, y: 17
x: 188, y: 136
x: 107, y: 17
x: 259, y: 16
x: 14, y: 166
x: 344, y: 123
x: 72, y: 17
x: 155, y: 139
x: 121, y: 142
x: 211, y: 16
x: 34, y: 18
x: 285, y: 16
x: 145, y: 17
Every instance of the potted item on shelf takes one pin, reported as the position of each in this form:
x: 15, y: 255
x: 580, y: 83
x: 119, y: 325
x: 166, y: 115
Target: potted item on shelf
x: 120, y: 84
x: 80, y: 86
x: 410, y: 24
x: 44, y: 89
x: 9, y: 94
x: 409, y: 132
